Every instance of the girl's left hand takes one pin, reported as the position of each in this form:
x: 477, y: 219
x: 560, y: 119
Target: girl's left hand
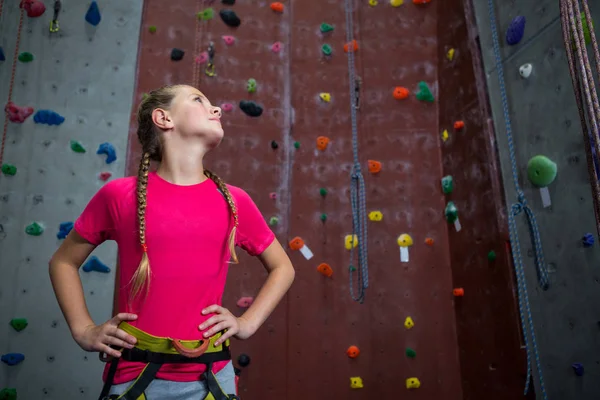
x: 224, y: 319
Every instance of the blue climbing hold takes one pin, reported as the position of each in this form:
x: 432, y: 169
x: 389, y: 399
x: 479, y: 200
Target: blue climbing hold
x: 64, y: 229
x: 93, y: 14
x: 12, y: 358
x: 2, y: 56
x: 109, y: 150
x: 94, y: 264
x: 588, y: 240
x: 48, y: 117
x: 578, y: 368
x: 515, y: 30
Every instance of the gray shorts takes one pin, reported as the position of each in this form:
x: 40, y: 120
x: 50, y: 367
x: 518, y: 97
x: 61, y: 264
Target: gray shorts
x: 160, y: 389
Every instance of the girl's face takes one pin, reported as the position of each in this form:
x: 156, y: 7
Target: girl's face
x: 193, y: 116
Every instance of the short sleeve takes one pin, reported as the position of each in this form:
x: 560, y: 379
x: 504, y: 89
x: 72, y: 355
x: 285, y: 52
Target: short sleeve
x: 253, y: 232
x: 97, y: 222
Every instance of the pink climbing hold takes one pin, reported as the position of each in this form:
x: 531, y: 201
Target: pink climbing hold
x: 201, y: 58
x: 245, y: 302
x: 34, y: 8
x: 273, y: 196
x: 229, y: 40
x: 226, y: 107
x: 104, y: 176
x: 16, y: 113
x: 276, y: 47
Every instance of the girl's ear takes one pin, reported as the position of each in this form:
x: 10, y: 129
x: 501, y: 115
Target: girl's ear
x: 162, y: 119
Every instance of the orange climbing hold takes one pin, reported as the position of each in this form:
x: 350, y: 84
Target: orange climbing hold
x: 374, y: 166
x: 325, y: 269
x: 458, y: 125
x: 429, y: 241
x: 277, y: 7
x: 458, y: 292
x: 296, y: 243
x: 354, y: 45
x: 353, y: 352
x: 401, y: 93
x: 322, y: 142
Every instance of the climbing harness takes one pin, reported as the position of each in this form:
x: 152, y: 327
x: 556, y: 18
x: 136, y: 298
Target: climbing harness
x: 54, y: 27
x: 575, y: 46
x: 155, y: 351
x: 357, y: 185
x: 518, y: 207
x: 210, y: 66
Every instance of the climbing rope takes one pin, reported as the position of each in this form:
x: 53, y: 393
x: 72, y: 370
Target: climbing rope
x: 516, y: 208
x: 12, y: 78
x: 357, y: 185
x: 575, y: 47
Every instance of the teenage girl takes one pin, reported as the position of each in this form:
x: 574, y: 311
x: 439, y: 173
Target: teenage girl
x: 176, y: 231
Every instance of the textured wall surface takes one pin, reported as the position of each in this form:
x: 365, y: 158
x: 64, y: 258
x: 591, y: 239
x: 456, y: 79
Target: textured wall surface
x: 86, y: 75
x: 545, y: 121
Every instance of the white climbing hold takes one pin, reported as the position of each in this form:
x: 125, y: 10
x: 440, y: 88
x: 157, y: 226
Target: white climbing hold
x: 525, y: 70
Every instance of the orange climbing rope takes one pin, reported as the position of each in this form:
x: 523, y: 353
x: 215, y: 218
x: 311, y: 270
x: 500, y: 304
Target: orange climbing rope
x: 12, y: 78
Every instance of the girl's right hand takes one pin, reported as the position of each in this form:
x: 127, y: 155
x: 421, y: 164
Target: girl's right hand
x: 101, y: 337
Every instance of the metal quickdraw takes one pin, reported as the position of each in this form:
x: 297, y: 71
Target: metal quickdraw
x: 54, y: 23
x: 210, y: 66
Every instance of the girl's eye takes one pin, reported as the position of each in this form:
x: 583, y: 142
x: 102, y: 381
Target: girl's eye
x: 198, y: 98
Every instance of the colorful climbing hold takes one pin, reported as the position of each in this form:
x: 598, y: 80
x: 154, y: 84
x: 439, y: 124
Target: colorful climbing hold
x: 16, y: 113
x: 277, y: 7
x: 152, y: 29
x: 77, y: 147
x: 104, y: 176
x: 326, y: 49
x: 228, y: 39
x: 325, y: 270
x: 577, y: 368
x: 201, y: 58
x: 48, y: 117
x: 33, y: 8
x: 177, y: 54
x: 515, y: 30
x: 323, y: 192
x: 375, y: 216
x: 323, y: 217
x: 94, y: 264
x: 19, y: 324
x: 251, y: 85
x: 429, y: 241
x: 410, y: 353
x: 356, y: 382
x: 525, y: 70
x: 352, y: 45
x: 2, y: 56
x: 12, y: 358
x: 245, y: 302
x: 421, y: 1
x: 491, y: 255
x: 296, y: 145
x: 276, y: 47
x: 459, y: 125
x: 273, y: 195
x: 34, y: 229
x: 374, y: 166
x: 273, y: 221
x: 350, y: 241
x: 405, y: 240
x: 326, y: 97
x: 400, y: 93
x: 274, y: 145
x: 413, y: 383
x: 26, y: 57
x: 230, y: 18
x: 227, y: 107
x: 447, y: 184
x: 9, y: 169
x: 63, y: 230
x: 206, y: 14
x: 353, y: 352
x: 450, y: 54
x: 373, y: 3
x: 8, y: 394
x: 228, y: 2
x: 322, y: 142
x: 409, y: 323
x: 243, y: 360
x: 250, y: 108
x: 445, y: 135
x: 424, y: 93
x: 458, y: 292
x: 396, y: 3
x: 451, y: 212
x: 541, y: 171
x: 298, y: 244
x: 92, y: 16
x: 325, y: 28
x: 588, y: 240
x: 351, y: 268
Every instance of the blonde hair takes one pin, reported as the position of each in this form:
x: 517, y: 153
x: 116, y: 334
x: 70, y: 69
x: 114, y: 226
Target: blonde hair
x: 152, y: 151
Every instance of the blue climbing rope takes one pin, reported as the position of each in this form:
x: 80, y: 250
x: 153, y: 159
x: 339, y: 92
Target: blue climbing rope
x: 516, y: 208
x: 357, y: 184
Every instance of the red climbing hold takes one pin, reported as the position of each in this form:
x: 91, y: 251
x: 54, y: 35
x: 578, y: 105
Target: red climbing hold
x: 458, y: 292
x: 16, y: 113
x: 226, y: 107
x: 325, y: 270
x: 374, y: 166
x: 277, y: 7
x: 429, y: 241
x: 322, y: 142
x: 354, y: 45
x: 34, y: 8
x: 245, y: 302
x: 459, y: 125
x: 104, y: 176
x: 401, y: 93
x: 229, y: 40
x: 276, y: 47
x: 353, y: 352
x: 421, y: 1
x: 201, y: 58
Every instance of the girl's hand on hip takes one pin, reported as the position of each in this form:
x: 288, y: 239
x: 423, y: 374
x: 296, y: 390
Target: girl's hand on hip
x: 224, y: 319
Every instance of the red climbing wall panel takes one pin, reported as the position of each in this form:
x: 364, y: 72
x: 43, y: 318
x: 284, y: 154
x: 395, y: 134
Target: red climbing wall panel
x: 300, y: 352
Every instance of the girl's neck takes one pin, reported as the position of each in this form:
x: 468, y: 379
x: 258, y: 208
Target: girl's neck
x: 183, y: 172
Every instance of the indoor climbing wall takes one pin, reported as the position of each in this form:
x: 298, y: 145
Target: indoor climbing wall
x: 547, y: 160
x: 65, y: 135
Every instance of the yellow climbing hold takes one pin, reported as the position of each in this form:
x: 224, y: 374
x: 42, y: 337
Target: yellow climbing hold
x: 348, y: 241
x: 405, y: 240
x: 356, y: 382
x: 409, y: 323
x: 326, y: 97
x: 375, y: 216
x: 450, y: 55
x: 373, y: 3
x: 396, y: 3
x: 413, y: 383
x: 445, y: 135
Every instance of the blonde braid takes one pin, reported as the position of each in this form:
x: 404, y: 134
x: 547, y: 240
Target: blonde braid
x: 142, y: 274
x: 223, y: 187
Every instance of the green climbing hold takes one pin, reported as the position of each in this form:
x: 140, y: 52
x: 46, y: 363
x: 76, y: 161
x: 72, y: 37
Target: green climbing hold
x: 351, y: 268
x: 424, y: 94
x: 541, y: 171
x: 410, y: 353
x: 491, y: 255
x: 297, y: 145
x: 8, y: 394
x: 18, y: 323
x: 323, y: 217
x: 326, y: 28
x: 9, y: 169
x: 251, y: 85
x: 34, y: 229
x: 207, y: 14
x: 25, y: 57
x: 451, y: 212
x: 152, y: 29
x: 77, y: 147
x: 323, y: 192
x: 326, y: 49
x: 273, y: 221
x: 447, y: 184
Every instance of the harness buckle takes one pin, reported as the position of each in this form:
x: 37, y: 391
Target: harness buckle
x: 190, y: 353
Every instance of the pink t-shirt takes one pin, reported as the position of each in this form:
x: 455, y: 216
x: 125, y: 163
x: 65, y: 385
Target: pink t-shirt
x: 187, y: 229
